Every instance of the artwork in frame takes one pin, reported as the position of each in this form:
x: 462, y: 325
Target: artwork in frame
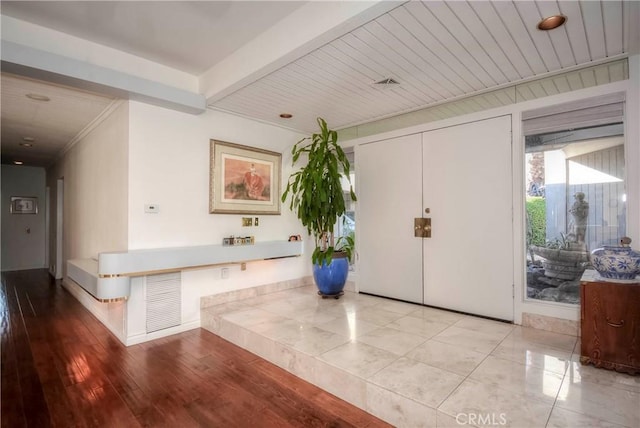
x: 243, y: 179
x: 24, y: 205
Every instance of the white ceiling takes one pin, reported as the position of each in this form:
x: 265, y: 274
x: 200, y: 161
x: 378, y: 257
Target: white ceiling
x: 188, y: 36
x: 437, y: 51
x: 52, y: 124
x: 191, y: 36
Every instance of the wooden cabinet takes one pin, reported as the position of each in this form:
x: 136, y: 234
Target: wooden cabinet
x: 610, y: 325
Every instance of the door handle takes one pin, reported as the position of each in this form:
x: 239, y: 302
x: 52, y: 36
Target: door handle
x: 615, y: 324
x: 422, y: 227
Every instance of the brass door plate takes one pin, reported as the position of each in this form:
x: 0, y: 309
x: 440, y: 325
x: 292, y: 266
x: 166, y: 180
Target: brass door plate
x: 422, y: 227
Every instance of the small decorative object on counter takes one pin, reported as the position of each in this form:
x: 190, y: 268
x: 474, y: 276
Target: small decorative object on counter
x: 295, y: 238
x: 617, y: 263
x: 238, y: 240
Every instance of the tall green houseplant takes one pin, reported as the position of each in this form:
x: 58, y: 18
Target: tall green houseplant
x: 316, y: 188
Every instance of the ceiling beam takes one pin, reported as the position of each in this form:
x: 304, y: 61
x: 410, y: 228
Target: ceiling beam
x: 37, y: 64
x: 306, y: 29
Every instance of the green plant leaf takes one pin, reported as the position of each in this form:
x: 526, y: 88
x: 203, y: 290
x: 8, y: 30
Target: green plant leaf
x: 315, y: 190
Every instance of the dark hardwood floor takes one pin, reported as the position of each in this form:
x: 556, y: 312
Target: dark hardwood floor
x: 61, y: 367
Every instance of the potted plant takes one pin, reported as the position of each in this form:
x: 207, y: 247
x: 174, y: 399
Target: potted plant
x: 347, y: 245
x: 316, y: 196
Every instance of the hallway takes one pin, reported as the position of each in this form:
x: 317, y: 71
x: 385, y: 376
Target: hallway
x: 61, y: 367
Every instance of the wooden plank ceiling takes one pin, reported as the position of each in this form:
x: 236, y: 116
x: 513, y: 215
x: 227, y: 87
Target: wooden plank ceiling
x: 437, y: 51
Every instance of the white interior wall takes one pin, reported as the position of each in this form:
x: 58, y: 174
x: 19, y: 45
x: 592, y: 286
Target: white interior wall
x: 95, y: 189
x: 632, y: 151
x: 169, y: 167
x: 22, y: 250
x: 94, y: 171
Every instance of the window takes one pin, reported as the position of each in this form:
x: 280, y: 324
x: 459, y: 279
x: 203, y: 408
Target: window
x: 575, y: 203
x: 347, y: 223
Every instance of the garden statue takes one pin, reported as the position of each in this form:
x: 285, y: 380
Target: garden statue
x: 566, y: 258
x: 579, y: 211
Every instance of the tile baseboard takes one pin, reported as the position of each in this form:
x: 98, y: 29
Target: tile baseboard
x: 552, y: 324
x: 247, y: 293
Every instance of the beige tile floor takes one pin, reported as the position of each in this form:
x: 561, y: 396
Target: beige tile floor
x: 417, y: 366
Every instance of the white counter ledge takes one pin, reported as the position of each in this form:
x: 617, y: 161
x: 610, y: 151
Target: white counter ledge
x: 108, y: 277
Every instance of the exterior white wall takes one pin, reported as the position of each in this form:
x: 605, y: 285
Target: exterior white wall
x: 169, y: 166
x: 22, y: 250
x: 632, y: 154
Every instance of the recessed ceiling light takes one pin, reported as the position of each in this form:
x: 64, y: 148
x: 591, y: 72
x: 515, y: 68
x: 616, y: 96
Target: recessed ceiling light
x: 286, y: 115
x: 26, y: 144
x: 551, y: 22
x: 18, y: 162
x: 38, y: 97
x: 28, y: 139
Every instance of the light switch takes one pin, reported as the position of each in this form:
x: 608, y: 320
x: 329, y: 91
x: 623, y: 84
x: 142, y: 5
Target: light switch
x: 152, y: 208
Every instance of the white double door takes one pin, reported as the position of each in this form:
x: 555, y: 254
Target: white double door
x: 462, y: 176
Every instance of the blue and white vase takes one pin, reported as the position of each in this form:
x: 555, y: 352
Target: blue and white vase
x: 617, y: 262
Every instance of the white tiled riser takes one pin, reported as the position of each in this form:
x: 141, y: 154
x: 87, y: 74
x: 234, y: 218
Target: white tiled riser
x: 415, y: 366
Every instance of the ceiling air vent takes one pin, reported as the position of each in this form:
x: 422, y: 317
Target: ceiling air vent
x: 387, y: 81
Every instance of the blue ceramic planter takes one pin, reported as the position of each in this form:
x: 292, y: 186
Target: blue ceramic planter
x: 330, y: 279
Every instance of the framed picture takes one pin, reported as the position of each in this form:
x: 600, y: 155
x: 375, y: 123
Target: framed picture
x: 24, y: 205
x: 243, y: 180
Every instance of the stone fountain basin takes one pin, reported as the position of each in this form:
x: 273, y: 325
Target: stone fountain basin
x: 558, y: 254
x: 561, y: 263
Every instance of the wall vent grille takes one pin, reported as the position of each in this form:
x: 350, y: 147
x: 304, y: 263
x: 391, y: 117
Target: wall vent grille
x: 387, y: 81
x: 164, y: 301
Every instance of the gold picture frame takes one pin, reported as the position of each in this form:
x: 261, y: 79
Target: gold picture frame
x: 243, y: 179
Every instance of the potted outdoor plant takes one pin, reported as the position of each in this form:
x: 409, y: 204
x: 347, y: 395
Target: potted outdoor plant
x: 316, y: 196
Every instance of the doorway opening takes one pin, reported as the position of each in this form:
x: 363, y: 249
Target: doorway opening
x: 59, y: 228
